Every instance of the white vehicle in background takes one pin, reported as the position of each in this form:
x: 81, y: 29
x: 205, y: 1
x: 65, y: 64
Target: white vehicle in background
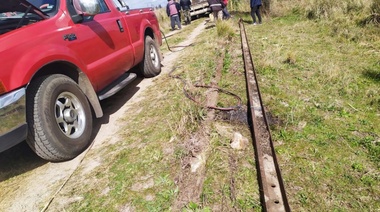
x: 199, y: 8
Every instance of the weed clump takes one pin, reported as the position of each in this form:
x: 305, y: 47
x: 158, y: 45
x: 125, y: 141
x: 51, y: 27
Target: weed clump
x: 291, y: 59
x: 374, y: 17
x: 225, y: 30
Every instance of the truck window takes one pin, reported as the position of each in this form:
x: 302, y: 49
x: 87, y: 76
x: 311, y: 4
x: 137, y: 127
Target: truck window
x: 121, y: 5
x: 103, y: 6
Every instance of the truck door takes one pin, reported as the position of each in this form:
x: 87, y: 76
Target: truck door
x: 133, y: 20
x: 104, y: 46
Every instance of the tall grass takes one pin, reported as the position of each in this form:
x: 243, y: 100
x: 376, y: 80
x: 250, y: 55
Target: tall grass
x: 374, y: 17
x: 163, y: 18
x: 357, y: 11
x: 225, y: 30
x: 349, y: 20
x: 318, y: 62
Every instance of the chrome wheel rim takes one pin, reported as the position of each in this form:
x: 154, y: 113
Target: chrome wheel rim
x: 154, y: 56
x: 70, y: 115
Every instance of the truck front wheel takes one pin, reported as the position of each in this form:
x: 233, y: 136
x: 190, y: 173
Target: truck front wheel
x: 151, y: 65
x: 59, y: 118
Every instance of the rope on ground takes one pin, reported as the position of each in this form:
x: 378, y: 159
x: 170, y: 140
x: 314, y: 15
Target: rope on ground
x: 189, y: 96
x: 166, y: 41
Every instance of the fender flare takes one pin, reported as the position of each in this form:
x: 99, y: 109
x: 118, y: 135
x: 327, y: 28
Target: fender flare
x: 85, y: 85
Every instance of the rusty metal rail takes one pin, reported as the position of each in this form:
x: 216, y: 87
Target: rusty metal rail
x: 272, y: 190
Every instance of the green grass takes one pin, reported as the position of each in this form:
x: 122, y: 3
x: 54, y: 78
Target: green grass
x: 322, y: 87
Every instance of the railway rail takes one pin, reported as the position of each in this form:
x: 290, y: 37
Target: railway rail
x: 272, y: 190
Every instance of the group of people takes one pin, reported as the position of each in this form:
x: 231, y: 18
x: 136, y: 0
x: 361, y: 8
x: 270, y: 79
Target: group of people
x: 217, y: 7
x: 173, y: 10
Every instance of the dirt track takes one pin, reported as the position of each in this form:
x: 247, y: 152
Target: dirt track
x: 27, y: 183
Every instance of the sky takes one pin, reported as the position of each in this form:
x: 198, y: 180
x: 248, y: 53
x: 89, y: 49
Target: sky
x: 145, y: 3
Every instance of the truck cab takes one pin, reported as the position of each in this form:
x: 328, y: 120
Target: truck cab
x: 59, y: 59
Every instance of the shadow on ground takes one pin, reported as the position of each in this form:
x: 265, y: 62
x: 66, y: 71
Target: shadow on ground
x: 17, y: 160
x: 372, y: 75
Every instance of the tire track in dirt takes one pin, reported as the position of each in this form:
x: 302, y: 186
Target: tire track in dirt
x: 192, y: 175
x: 32, y: 190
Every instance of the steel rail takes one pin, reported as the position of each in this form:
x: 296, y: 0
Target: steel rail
x: 272, y: 190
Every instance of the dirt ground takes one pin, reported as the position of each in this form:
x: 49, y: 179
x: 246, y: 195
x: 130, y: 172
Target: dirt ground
x: 29, y: 183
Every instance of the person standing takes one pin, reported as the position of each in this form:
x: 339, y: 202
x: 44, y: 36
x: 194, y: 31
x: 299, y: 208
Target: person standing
x: 226, y: 14
x: 185, y: 5
x: 216, y: 8
x: 255, y: 10
x: 172, y: 10
x: 179, y: 11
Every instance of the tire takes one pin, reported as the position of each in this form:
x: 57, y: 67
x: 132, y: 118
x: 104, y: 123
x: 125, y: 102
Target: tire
x: 151, y: 64
x: 59, y: 118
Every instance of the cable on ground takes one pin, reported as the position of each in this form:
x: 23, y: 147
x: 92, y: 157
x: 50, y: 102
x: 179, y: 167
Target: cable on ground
x: 189, y: 96
x: 167, y: 44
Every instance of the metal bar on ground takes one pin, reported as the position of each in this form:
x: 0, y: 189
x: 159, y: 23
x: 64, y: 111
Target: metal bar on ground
x: 272, y: 190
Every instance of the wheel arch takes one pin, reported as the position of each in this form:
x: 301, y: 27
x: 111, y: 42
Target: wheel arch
x: 73, y: 72
x: 149, y: 32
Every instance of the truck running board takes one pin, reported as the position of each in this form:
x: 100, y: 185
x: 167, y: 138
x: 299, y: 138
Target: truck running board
x: 117, y: 85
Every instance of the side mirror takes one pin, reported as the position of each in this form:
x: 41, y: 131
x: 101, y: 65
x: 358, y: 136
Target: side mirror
x: 87, y: 7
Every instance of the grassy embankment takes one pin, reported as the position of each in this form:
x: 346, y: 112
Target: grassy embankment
x: 319, y: 70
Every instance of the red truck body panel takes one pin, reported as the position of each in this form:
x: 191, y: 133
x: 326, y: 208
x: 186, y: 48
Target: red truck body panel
x: 99, y: 49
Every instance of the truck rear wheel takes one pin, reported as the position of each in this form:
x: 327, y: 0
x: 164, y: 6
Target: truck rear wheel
x: 151, y: 64
x: 59, y: 118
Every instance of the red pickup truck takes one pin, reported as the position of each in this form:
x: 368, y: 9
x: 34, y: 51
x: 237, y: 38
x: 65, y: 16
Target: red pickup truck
x: 59, y: 59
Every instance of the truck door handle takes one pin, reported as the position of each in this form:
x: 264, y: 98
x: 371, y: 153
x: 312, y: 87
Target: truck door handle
x: 121, y: 28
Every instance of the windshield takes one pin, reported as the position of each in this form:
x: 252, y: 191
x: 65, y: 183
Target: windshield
x: 48, y: 7
x: 18, y: 13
